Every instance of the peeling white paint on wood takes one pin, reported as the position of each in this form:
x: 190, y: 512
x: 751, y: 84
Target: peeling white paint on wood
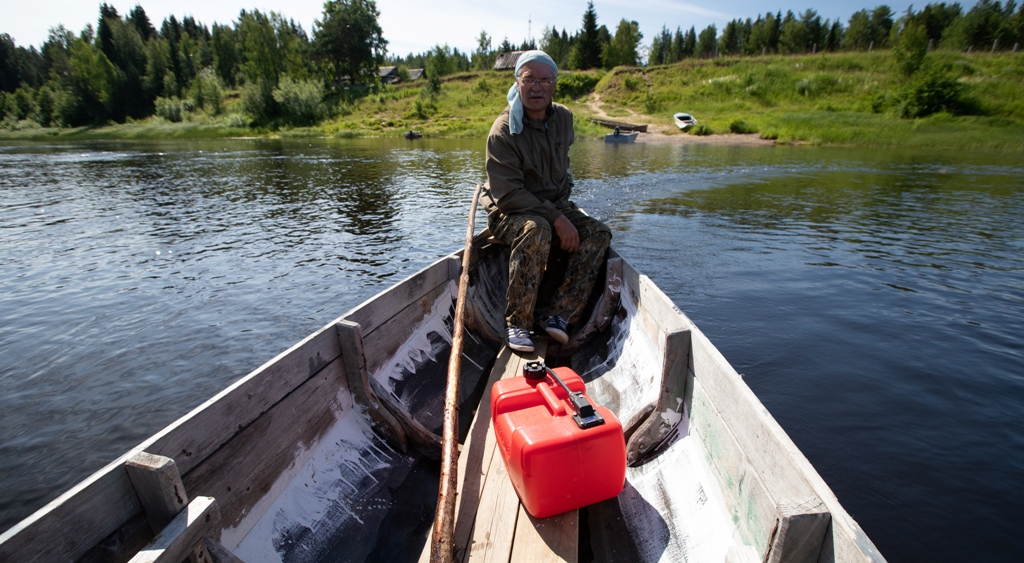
x: 328, y: 481
x: 231, y: 537
x: 628, y: 385
x: 671, y: 505
x: 419, y: 348
x: 673, y: 508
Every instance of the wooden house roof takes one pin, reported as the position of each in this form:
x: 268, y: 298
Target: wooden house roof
x: 507, y: 61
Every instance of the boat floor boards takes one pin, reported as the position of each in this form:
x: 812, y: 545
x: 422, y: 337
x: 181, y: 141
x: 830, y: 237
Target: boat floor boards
x: 491, y: 524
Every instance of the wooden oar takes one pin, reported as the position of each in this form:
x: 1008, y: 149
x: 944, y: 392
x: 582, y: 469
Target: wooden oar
x: 442, y: 544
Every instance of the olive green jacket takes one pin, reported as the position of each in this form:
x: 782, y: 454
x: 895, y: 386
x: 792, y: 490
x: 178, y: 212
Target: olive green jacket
x: 529, y: 172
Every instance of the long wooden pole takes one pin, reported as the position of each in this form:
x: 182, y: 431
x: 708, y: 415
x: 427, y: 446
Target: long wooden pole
x: 442, y: 544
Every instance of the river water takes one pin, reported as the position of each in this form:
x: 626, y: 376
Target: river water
x: 873, y: 299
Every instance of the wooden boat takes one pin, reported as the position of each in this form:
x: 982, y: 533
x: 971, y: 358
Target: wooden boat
x: 412, y: 135
x: 326, y: 452
x: 684, y: 120
x: 620, y: 137
x: 623, y: 126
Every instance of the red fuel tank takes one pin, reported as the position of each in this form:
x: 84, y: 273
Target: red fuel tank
x: 557, y: 453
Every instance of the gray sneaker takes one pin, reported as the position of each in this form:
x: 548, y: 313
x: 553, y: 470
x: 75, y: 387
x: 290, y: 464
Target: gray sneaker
x: 519, y: 339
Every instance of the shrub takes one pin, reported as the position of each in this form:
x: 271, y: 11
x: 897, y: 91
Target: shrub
x: 929, y: 91
x: 433, y: 87
x: 424, y: 109
x: 651, y: 103
x: 21, y: 104
x: 342, y: 109
x: 633, y: 84
x: 300, y: 100
x: 44, y: 106
x: 484, y: 86
x: 257, y: 100
x: 910, y: 48
x: 741, y: 127
x: 206, y: 91
x: 173, y: 109
x: 237, y: 120
x: 575, y: 84
x: 701, y: 130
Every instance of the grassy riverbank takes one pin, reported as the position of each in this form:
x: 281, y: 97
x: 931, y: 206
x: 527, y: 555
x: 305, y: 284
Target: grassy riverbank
x: 824, y: 99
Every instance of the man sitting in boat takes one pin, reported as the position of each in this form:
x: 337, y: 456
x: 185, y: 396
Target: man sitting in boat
x: 527, y: 200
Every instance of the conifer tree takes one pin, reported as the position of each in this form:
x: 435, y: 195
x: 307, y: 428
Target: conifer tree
x: 834, y: 39
x: 707, y: 42
x: 225, y: 54
x: 348, y: 40
x: 691, y: 42
x: 9, y: 75
x: 661, y: 48
x: 140, y: 20
x: 678, y: 46
x: 587, y: 51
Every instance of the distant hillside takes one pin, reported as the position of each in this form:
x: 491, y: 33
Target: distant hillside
x: 952, y: 99
x: 955, y: 100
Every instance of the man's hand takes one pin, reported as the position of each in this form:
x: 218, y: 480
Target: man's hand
x: 567, y: 234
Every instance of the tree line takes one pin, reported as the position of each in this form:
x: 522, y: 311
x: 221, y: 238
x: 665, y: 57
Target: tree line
x: 126, y: 68
x: 988, y: 25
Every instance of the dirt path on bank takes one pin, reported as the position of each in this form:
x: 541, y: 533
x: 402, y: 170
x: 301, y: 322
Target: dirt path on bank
x: 668, y: 133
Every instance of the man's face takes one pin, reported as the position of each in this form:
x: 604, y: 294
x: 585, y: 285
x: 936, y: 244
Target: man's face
x: 536, y: 97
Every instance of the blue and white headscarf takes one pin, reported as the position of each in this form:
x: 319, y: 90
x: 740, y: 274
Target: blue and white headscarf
x: 515, y: 104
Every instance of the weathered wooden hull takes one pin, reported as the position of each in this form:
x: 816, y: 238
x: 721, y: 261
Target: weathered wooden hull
x: 324, y: 453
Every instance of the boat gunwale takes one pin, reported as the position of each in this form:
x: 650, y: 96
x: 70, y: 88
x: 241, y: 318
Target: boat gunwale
x: 107, y: 495
x: 793, y: 492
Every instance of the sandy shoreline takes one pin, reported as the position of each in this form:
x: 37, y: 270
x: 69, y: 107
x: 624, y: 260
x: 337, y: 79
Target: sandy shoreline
x: 731, y: 139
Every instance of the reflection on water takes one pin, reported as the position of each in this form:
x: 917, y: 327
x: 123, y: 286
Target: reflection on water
x: 877, y: 312
x: 153, y: 274
x: 873, y: 299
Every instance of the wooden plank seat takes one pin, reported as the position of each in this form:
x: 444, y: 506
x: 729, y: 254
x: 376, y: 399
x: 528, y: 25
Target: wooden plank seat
x: 491, y: 524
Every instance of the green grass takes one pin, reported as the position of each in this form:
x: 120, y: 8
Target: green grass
x: 144, y: 130
x: 830, y: 99
x: 824, y: 99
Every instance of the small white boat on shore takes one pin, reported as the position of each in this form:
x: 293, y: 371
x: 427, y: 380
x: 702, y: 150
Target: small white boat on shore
x: 684, y: 120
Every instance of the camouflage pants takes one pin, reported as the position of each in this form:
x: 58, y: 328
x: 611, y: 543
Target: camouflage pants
x: 530, y: 237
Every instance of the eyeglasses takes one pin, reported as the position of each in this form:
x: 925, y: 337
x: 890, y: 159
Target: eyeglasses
x: 531, y: 82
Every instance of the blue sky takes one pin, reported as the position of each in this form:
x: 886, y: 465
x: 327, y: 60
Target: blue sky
x: 416, y: 26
